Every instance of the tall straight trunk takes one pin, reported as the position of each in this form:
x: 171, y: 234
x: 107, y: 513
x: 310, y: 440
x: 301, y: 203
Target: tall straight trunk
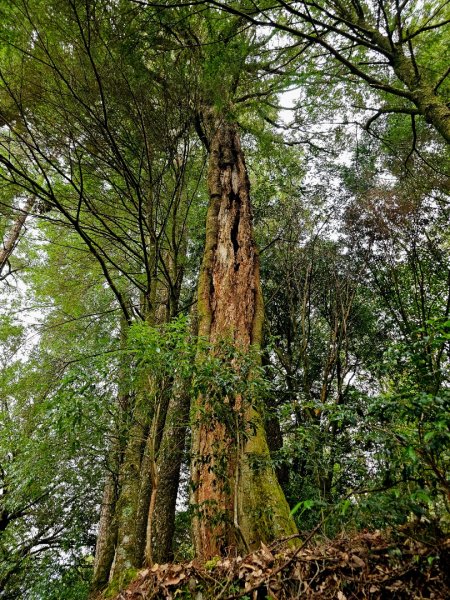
x: 236, y: 497
x: 108, y: 525
x: 149, y: 465
x: 107, y: 533
x: 172, y: 437
x: 125, y: 521
x: 137, y: 484
x: 161, y: 516
x: 108, y: 530
x: 12, y: 238
x: 130, y: 482
x: 134, y: 478
x: 146, y: 432
x: 137, y: 481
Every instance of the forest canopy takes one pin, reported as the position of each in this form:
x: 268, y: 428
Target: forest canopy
x: 225, y: 287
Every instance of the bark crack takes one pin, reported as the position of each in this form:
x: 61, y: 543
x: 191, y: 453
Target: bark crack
x: 234, y: 239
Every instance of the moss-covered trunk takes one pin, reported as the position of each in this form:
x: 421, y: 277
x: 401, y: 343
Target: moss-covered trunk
x: 149, y: 480
x: 429, y: 103
x: 131, y: 482
x: 161, y: 514
x: 137, y: 481
x: 236, y: 497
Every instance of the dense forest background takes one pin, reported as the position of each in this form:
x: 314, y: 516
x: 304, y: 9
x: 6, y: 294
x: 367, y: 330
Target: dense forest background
x: 186, y: 373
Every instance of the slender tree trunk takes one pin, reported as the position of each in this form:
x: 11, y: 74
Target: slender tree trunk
x: 149, y: 479
x: 108, y: 524
x: 167, y: 465
x: 13, y: 237
x: 275, y: 443
x: 107, y: 534
x: 134, y: 480
x: 130, y: 481
x: 138, y: 486
x: 275, y: 436
x: 137, y: 482
x: 237, y: 499
x: 135, y: 488
x: 162, y: 514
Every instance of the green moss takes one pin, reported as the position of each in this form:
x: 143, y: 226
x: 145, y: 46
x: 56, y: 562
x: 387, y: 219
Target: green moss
x: 120, y: 582
x: 212, y: 564
x: 258, y: 318
x: 204, y: 283
x: 264, y: 511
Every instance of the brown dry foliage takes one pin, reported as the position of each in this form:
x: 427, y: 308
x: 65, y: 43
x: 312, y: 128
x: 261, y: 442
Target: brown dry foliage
x: 366, y: 565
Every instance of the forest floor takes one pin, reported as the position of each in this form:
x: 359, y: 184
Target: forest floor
x: 375, y: 565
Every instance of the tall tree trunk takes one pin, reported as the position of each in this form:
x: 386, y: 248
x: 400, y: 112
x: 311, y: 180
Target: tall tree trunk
x: 161, y: 518
x: 237, y: 499
x: 275, y: 443
x: 137, y: 484
x: 172, y: 438
x: 137, y: 481
x: 275, y: 436
x: 108, y: 525
x: 107, y: 533
x: 150, y: 482
x: 134, y: 479
x: 12, y: 238
x: 130, y: 482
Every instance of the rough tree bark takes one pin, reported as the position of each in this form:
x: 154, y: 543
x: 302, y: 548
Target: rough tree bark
x: 236, y: 497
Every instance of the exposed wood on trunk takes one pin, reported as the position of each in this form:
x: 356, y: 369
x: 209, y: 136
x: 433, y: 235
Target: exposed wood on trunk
x: 229, y: 496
